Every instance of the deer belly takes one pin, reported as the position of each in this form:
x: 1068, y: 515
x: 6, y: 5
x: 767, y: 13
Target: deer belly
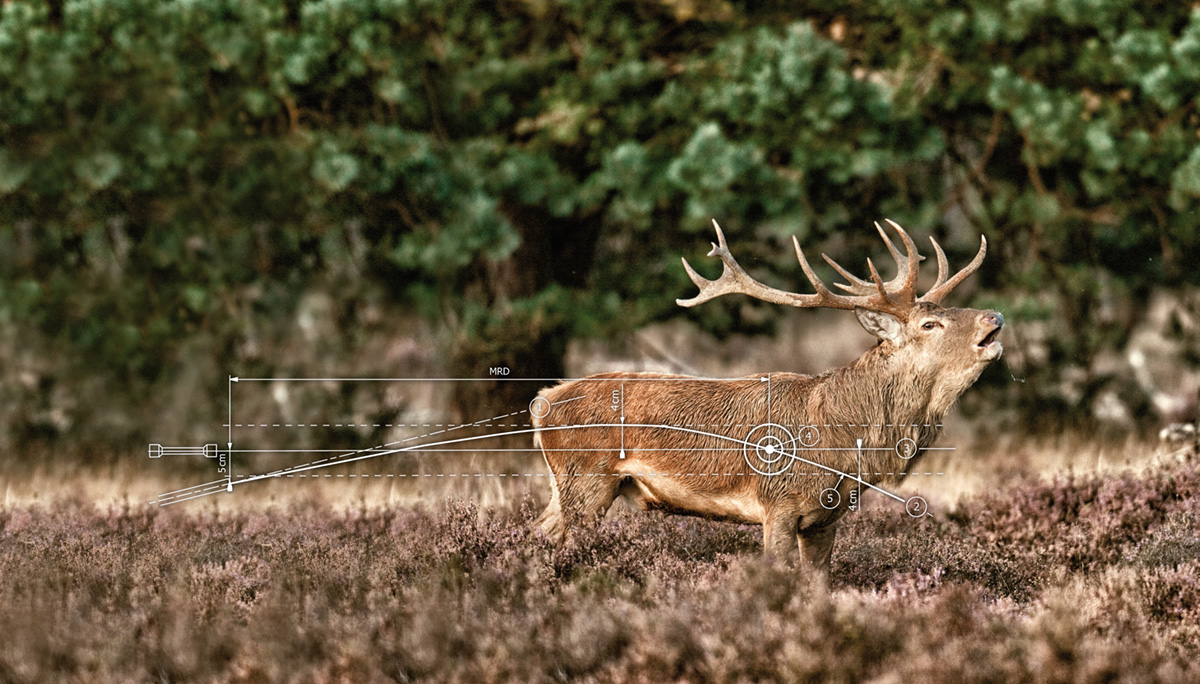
x: 688, y: 496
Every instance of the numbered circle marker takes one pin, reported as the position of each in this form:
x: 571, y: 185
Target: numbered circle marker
x: 539, y: 407
x: 830, y: 498
x: 916, y: 507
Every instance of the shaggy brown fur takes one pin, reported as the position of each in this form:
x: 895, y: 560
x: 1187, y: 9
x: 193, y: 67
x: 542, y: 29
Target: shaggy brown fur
x: 689, y: 442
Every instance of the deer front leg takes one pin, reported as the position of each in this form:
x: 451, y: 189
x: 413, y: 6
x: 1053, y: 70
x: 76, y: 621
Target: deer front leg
x: 779, y: 533
x: 816, y: 546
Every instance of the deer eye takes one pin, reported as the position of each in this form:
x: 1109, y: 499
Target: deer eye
x: 930, y: 325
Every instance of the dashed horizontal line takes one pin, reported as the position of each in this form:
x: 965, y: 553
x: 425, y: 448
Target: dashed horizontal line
x: 564, y: 475
x: 408, y: 425
x: 382, y: 451
x: 479, y: 424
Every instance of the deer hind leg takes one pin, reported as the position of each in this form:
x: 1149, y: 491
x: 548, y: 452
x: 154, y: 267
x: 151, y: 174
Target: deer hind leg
x: 585, y: 497
x: 577, y: 497
x: 551, y: 520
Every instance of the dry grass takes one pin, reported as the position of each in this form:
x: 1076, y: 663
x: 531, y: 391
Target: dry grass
x: 1085, y: 574
x: 982, y: 464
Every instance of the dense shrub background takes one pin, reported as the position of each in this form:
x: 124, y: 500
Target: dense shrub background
x: 175, y: 176
x: 1085, y: 579
x: 320, y: 187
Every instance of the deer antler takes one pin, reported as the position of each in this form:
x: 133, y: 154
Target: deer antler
x: 896, y: 297
x: 942, y: 287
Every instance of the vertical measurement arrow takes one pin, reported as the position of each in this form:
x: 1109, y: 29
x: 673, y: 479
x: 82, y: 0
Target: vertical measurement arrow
x: 229, y: 466
x: 622, y: 420
x: 858, y: 499
x: 768, y: 381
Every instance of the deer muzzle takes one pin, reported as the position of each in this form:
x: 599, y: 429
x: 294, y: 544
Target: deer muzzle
x: 989, y: 345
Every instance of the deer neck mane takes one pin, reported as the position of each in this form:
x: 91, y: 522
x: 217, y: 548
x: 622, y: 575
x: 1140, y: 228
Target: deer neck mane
x: 879, y: 388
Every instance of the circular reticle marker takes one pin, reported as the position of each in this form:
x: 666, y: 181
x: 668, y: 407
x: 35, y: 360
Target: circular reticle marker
x: 916, y: 506
x: 539, y: 407
x: 809, y: 436
x: 906, y: 448
x: 830, y: 498
x: 765, y: 448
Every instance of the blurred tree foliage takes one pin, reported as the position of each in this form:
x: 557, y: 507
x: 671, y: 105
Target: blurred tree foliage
x: 526, y: 172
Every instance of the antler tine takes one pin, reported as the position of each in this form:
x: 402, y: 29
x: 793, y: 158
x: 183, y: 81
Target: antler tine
x: 936, y: 294
x: 883, y: 293
x: 857, y: 285
x: 911, y: 263
x: 899, y: 258
x: 868, y: 295
x: 943, y: 266
x: 708, y: 288
x: 734, y: 279
x: 907, y: 266
x: 809, y: 272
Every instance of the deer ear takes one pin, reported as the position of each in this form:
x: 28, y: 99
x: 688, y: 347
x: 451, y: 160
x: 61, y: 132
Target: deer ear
x: 881, y: 325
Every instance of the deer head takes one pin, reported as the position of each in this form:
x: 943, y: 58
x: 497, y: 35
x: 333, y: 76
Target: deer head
x: 941, y: 349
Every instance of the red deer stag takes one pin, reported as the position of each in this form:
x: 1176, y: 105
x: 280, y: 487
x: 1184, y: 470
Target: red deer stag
x: 780, y: 449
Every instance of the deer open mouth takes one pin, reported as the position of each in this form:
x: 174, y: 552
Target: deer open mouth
x: 990, y: 337
x: 989, y: 347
